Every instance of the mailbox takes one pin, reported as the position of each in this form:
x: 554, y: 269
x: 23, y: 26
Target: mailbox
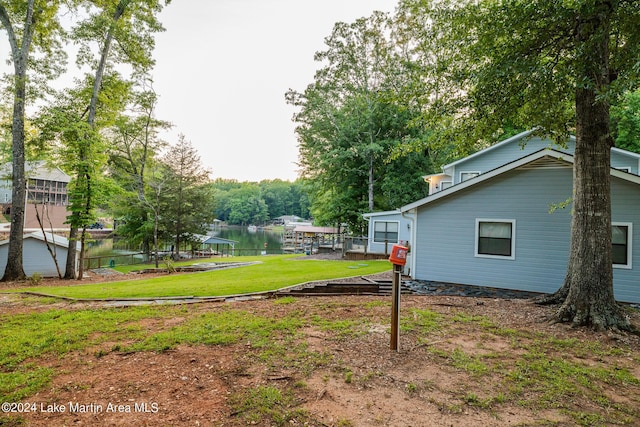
x: 398, y: 255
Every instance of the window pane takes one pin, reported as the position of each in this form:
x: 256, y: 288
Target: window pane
x: 500, y: 230
x: 619, y: 240
x: 619, y: 254
x: 490, y: 246
x: 380, y: 226
x: 392, y: 237
x: 495, y: 238
x: 385, y: 231
x: 619, y: 234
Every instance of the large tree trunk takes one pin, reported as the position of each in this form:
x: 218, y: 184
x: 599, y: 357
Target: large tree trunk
x: 588, y: 288
x: 70, y: 266
x: 14, y: 269
x: 589, y: 282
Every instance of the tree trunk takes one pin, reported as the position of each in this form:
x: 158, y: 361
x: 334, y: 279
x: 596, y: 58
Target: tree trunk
x: 589, y: 281
x: 70, y: 271
x: 14, y: 269
x: 371, y: 183
x: 70, y: 266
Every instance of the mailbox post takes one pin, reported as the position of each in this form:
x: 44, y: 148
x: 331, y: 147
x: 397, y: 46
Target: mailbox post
x: 398, y: 258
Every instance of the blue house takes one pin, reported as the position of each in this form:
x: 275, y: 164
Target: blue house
x: 496, y: 218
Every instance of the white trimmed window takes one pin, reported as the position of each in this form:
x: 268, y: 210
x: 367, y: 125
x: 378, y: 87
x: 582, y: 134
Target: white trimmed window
x: 621, y: 233
x: 496, y: 238
x: 385, y: 231
x: 445, y: 184
x: 468, y: 175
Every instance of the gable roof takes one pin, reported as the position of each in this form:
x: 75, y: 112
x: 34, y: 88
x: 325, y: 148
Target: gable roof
x: 519, y: 137
x: 38, y: 169
x: 50, y: 238
x: 211, y: 240
x: 546, y: 157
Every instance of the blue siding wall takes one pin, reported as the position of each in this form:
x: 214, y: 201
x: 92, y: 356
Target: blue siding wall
x: 445, y: 239
x: 404, y: 231
x: 621, y: 160
x: 625, y: 207
x: 506, y: 153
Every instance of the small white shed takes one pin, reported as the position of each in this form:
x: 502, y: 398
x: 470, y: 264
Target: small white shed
x: 35, y: 256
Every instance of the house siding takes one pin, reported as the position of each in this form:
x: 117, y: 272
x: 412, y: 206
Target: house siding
x: 403, y: 231
x: 448, y: 226
x: 506, y: 153
x: 620, y: 160
x: 445, y: 239
x: 625, y: 200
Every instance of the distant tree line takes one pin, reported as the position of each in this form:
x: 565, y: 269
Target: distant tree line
x: 244, y: 203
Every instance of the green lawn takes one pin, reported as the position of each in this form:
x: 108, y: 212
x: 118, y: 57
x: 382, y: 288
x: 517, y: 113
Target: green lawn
x: 273, y: 272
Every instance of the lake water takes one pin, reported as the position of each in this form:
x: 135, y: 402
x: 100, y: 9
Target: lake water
x: 252, y: 243
x: 248, y: 243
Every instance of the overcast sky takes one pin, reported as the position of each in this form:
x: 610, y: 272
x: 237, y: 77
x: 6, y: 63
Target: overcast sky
x: 223, y: 67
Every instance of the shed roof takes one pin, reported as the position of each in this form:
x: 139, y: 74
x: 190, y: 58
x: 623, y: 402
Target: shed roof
x: 219, y: 241
x: 50, y: 238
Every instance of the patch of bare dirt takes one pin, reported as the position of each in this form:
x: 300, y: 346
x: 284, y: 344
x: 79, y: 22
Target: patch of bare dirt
x: 362, y: 383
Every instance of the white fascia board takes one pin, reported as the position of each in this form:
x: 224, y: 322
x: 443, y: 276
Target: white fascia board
x: 627, y: 176
x: 371, y: 214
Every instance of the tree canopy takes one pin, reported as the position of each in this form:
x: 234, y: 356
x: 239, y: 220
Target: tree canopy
x: 350, y: 122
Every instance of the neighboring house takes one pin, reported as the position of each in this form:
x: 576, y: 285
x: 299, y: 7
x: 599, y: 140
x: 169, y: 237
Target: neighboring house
x: 46, y: 188
x: 500, y: 222
x: 36, y: 256
x: 287, y: 219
